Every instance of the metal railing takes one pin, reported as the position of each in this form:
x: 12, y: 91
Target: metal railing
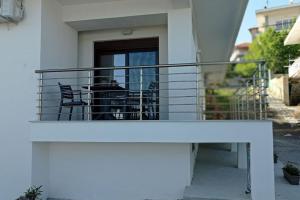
x: 250, y: 101
x: 154, y: 92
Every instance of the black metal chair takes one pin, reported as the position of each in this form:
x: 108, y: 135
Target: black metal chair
x: 150, y: 103
x: 133, y: 109
x: 67, y: 94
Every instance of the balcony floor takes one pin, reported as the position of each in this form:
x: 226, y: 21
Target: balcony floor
x: 150, y: 131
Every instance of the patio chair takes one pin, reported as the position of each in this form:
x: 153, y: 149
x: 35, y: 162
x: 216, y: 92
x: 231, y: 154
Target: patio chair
x: 133, y: 102
x: 68, y: 100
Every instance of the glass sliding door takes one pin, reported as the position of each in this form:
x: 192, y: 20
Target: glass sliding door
x: 149, y: 74
x: 149, y: 83
x: 107, y: 76
x: 134, y: 54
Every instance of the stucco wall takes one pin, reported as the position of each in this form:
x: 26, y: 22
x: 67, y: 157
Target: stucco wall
x: 20, y: 56
x: 113, y: 171
x: 59, y: 47
x: 182, y: 49
x: 115, y: 9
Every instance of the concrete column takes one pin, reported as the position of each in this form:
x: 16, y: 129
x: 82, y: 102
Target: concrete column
x: 242, y: 155
x: 181, y: 49
x: 40, y: 167
x: 262, y: 167
x: 234, y: 147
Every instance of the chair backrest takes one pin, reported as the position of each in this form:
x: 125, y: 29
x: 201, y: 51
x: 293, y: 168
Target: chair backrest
x: 66, y: 91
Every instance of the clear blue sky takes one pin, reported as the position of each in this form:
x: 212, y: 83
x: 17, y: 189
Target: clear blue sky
x: 250, y: 19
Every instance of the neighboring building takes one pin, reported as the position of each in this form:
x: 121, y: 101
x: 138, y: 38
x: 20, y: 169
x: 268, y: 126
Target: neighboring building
x: 138, y: 124
x: 240, y: 51
x: 280, y: 17
x: 254, y: 31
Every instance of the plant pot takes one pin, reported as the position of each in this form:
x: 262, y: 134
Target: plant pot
x: 293, y: 180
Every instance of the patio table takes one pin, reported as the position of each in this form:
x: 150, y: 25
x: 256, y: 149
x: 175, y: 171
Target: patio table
x: 103, y: 95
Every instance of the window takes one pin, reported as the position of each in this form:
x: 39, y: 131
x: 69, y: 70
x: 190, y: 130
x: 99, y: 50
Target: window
x: 278, y: 25
x: 283, y: 24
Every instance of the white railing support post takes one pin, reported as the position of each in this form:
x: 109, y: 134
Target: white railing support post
x: 40, y: 115
x: 141, y: 93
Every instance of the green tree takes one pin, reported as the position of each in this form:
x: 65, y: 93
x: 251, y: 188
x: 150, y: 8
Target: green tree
x: 269, y: 46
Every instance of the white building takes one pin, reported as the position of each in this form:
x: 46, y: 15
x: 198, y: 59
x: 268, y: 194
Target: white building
x: 278, y: 17
x: 68, y: 41
x: 239, y: 52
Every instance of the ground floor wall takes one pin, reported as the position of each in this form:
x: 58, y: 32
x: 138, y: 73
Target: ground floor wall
x: 128, y: 171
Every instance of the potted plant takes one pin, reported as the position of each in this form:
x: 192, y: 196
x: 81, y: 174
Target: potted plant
x: 33, y: 193
x: 291, y: 174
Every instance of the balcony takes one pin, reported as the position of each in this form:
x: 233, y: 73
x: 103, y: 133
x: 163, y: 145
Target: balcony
x: 158, y: 104
x: 153, y: 92
x: 147, y: 103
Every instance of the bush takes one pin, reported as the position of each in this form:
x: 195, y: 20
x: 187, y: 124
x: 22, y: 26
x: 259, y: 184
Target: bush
x: 33, y: 193
x: 292, y: 170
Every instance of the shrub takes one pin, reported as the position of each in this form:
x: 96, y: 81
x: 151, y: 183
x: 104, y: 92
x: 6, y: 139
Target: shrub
x: 292, y: 170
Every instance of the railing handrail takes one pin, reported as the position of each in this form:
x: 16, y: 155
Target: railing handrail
x: 87, y: 69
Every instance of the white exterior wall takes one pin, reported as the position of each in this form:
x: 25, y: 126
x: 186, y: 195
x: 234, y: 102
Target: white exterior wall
x: 115, y: 9
x: 129, y: 171
x: 257, y: 133
x: 59, y: 41
x: 40, y: 167
x: 58, y: 50
x: 20, y: 56
x: 182, y: 49
x: 59, y: 47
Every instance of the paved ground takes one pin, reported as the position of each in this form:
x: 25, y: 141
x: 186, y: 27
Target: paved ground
x: 287, y: 146
x: 287, y: 143
x: 285, y: 191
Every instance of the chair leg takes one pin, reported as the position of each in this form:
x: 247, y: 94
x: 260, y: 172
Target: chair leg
x: 82, y: 113
x: 71, y: 112
x: 59, y: 112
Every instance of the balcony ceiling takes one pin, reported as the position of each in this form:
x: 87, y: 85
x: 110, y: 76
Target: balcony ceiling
x: 73, y: 2
x: 217, y: 24
x: 120, y: 22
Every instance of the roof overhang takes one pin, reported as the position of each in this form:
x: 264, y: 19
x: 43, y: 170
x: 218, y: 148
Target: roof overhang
x: 294, y: 35
x: 217, y: 25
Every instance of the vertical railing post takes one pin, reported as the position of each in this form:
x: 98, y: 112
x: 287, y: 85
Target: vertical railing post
x: 254, y: 96
x: 89, y: 95
x: 238, y: 107
x: 242, y: 105
x: 198, y: 86
x: 230, y: 109
x: 248, y: 188
x: 40, y: 110
x: 235, y: 107
x: 266, y: 75
x: 247, y: 100
x: 260, y: 86
x: 141, y: 93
